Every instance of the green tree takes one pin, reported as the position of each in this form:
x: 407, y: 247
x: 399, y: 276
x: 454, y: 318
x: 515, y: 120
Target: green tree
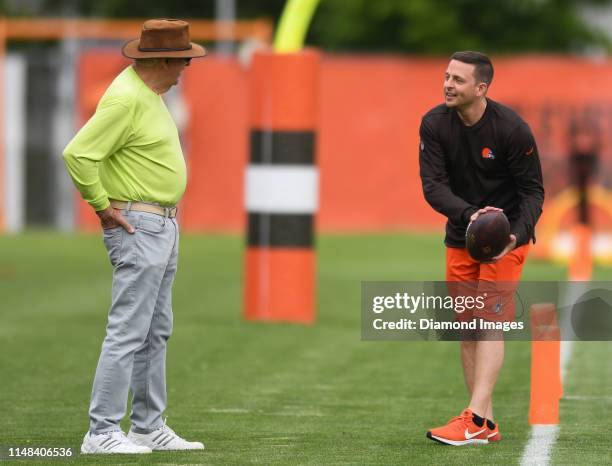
x: 442, y: 26
x: 409, y: 26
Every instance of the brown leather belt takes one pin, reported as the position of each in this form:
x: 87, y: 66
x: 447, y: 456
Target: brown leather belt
x: 169, y: 212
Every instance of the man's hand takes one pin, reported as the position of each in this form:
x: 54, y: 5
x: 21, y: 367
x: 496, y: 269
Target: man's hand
x: 511, y: 239
x: 482, y: 211
x: 511, y: 245
x: 111, y: 218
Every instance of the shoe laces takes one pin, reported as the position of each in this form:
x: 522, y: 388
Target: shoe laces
x: 120, y: 436
x: 167, y: 429
x: 463, y: 417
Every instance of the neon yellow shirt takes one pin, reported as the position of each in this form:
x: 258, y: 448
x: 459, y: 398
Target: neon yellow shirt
x: 129, y: 150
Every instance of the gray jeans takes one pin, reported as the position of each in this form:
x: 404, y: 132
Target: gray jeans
x: 133, y: 355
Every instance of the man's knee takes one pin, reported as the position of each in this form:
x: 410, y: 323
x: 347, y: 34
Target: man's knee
x: 122, y: 344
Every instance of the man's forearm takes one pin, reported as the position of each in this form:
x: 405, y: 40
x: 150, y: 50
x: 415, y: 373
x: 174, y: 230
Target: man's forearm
x: 530, y: 211
x: 444, y: 201
x: 84, y: 174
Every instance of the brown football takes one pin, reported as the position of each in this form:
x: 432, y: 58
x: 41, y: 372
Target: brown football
x: 487, y: 236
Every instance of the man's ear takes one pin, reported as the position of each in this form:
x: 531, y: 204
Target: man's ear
x: 482, y: 88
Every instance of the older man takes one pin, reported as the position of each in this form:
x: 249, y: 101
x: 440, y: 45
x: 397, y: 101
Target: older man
x: 128, y: 165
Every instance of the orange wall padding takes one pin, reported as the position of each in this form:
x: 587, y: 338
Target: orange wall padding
x: 369, y: 112
x: 216, y: 145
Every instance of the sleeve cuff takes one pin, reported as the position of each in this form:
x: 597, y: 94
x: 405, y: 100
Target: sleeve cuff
x: 521, y: 239
x: 467, y: 213
x: 100, y: 205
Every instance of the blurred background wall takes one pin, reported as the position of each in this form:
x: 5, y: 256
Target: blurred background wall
x: 367, y: 143
x: 382, y: 70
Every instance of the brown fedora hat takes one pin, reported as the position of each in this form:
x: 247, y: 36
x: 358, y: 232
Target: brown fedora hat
x: 163, y: 38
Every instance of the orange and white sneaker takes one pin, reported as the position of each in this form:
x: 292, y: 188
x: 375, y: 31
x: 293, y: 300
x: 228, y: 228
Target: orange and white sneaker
x: 493, y: 434
x: 460, y: 430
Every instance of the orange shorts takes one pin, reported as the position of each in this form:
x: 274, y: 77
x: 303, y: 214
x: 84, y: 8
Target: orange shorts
x: 497, y: 281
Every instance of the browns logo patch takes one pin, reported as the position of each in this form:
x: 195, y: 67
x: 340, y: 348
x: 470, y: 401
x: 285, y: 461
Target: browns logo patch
x: 487, y: 153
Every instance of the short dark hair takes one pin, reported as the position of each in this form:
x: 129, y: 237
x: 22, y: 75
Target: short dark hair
x: 483, y: 68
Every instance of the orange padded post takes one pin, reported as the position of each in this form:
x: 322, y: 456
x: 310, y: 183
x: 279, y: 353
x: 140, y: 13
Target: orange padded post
x: 546, y: 385
x: 581, y: 264
x: 281, y: 188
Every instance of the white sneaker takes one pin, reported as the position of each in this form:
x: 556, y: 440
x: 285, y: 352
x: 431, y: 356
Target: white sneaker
x: 163, y: 438
x: 110, y: 443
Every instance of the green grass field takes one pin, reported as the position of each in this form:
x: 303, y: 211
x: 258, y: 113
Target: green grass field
x: 271, y: 394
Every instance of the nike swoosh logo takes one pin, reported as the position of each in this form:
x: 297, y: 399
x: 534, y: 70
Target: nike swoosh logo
x: 469, y: 436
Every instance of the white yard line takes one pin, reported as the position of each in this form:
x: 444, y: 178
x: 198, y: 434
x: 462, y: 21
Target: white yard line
x: 540, y: 445
x: 587, y: 398
x: 544, y: 436
x: 566, y: 352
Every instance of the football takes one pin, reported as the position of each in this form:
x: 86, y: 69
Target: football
x: 487, y: 236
